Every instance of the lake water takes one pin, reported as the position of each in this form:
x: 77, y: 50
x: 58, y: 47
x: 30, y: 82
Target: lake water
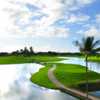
x: 94, y: 66
x: 15, y: 84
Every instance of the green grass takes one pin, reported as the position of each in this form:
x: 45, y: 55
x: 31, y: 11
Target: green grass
x: 35, y: 58
x: 72, y: 75
x: 69, y: 74
x: 27, y: 59
x: 41, y: 78
x: 94, y: 58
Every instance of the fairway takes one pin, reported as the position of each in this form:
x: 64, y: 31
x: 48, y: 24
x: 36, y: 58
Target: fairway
x: 69, y: 74
x: 28, y: 59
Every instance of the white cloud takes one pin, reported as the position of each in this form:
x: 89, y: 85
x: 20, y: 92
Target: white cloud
x: 16, y: 19
x: 77, y: 18
x: 5, y: 20
x: 83, y: 2
x: 98, y: 18
x: 92, y: 31
x: 46, y: 32
x: 21, y: 17
x: 80, y: 32
x: 51, y: 48
x: 76, y: 4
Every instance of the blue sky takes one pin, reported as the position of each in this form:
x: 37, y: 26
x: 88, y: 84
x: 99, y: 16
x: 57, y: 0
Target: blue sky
x: 47, y: 25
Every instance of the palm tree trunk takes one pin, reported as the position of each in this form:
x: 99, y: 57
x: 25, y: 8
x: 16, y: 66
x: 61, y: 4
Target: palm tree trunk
x: 86, y: 60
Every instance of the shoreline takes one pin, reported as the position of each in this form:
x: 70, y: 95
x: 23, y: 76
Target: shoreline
x: 71, y: 91
x: 41, y: 78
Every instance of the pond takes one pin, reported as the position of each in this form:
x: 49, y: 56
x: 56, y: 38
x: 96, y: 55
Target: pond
x: 94, y: 66
x: 15, y: 84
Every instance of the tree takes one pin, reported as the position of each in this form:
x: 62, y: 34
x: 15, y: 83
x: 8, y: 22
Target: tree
x: 88, y: 46
x: 21, y: 51
x: 31, y: 50
x: 26, y: 51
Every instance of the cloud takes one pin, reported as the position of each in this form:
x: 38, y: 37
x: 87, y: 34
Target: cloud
x: 73, y: 5
x: 83, y: 2
x: 98, y: 18
x: 77, y: 18
x: 46, y: 32
x: 47, y: 48
x: 5, y: 20
x: 92, y: 31
x: 37, y: 18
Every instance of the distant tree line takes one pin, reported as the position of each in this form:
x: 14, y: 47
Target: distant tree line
x: 24, y: 51
x: 4, y: 53
x: 30, y: 51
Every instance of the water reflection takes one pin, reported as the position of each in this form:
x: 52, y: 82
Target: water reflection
x: 15, y: 84
x: 94, y: 66
x: 97, y: 93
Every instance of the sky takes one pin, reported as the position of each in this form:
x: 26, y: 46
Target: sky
x: 47, y: 25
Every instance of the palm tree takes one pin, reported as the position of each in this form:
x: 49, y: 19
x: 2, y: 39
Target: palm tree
x: 88, y: 46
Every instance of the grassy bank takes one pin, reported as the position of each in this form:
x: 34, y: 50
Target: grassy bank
x: 94, y: 58
x: 69, y: 74
x: 41, y: 77
x: 27, y: 59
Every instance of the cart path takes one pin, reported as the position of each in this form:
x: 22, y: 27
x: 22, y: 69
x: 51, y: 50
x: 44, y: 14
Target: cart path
x: 68, y: 90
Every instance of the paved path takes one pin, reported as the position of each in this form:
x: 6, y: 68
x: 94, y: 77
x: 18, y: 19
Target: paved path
x: 68, y: 90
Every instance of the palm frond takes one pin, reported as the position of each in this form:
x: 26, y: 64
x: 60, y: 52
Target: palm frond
x: 88, y: 43
x: 96, y: 43
x: 77, y: 43
x: 88, y: 46
x: 96, y: 50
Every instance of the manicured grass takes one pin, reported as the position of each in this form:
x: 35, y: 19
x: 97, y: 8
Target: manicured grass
x: 41, y: 78
x: 72, y: 75
x: 94, y: 58
x: 69, y: 74
x: 27, y: 59
x: 35, y: 58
